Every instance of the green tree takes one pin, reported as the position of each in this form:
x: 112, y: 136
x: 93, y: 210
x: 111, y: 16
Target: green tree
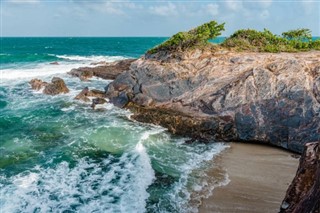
x: 302, y: 34
x: 194, y: 38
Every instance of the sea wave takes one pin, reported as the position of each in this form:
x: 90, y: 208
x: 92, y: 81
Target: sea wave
x: 7, y: 59
x: 92, y: 58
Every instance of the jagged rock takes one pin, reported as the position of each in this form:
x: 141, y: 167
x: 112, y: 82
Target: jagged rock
x: 85, y: 93
x: 37, y: 84
x: 105, y: 71
x: 303, y: 195
x: 142, y: 100
x: 97, y: 101
x: 121, y: 100
x: 272, y: 98
x: 56, y: 86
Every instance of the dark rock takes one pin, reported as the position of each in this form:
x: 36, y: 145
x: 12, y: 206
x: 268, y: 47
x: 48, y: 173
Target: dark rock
x: 303, y: 194
x: 120, y: 101
x: 104, y: 70
x: 56, y: 86
x: 85, y: 93
x: 142, y: 100
x: 97, y: 101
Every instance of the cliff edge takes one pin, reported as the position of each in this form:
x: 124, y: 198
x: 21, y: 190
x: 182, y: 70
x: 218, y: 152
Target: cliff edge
x: 221, y: 95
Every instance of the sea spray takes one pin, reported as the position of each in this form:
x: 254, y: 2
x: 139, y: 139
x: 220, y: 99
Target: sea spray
x: 58, y: 154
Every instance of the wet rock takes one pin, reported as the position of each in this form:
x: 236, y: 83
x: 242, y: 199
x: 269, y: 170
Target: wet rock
x: 120, y: 101
x: 303, y: 194
x: 37, y: 84
x: 104, y: 70
x: 97, y: 101
x: 142, y: 100
x: 56, y: 87
x: 85, y: 93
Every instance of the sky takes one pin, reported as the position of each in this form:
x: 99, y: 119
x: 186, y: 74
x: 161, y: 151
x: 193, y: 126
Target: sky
x: 152, y: 18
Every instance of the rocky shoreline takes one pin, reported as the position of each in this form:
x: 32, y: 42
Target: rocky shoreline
x: 251, y: 97
x: 221, y: 95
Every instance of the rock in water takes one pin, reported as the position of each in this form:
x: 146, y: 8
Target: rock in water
x: 37, y: 84
x: 85, y: 93
x: 56, y: 87
x: 97, y: 101
x: 105, y: 71
x: 272, y: 98
x: 303, y: 195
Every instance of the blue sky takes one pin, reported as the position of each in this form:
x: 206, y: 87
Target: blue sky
x: 152, y: 18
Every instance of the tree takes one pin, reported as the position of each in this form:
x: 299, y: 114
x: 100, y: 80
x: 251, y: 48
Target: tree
x: 193, y: 38
x: 302, y: 34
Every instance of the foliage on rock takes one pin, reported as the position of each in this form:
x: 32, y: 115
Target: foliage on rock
x: 266, y: 41
x: 196, y: 37
x: 298, y: 34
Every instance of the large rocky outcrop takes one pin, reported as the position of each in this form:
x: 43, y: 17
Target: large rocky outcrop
x: 105, y: 71
x: 57, y: 86
x: 257, y: 97
x: 303, y: 195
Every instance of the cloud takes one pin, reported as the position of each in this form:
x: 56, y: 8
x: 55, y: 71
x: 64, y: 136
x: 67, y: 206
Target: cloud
x: 234, y: 5
x: 164, y: 10
x: 23, y: 1
x: 213, y: 9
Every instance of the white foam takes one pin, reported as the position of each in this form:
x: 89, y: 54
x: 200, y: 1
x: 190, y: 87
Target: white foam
x: 39, y: 70
x: 93, y: 58
x: 107, y: 186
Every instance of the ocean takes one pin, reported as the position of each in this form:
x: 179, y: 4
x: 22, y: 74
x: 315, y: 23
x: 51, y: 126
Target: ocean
x: 59, y: 155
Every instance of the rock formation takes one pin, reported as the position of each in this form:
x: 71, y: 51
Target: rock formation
x: 105, y: 71
x: 85, y: 93
x: 221, y: 95
x: 303, y: 195
x: 57, y: 86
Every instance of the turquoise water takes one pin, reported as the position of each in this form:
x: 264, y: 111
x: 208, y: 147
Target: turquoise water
x: 59, y: 155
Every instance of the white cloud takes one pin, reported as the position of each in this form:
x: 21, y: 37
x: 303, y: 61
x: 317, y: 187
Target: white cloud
x: 23, y: 1
x: 213, y: 9
x: 234, y: 5
x: 164, y: 10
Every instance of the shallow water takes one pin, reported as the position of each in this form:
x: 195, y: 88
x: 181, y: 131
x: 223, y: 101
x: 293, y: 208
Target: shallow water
x: 59, y: 155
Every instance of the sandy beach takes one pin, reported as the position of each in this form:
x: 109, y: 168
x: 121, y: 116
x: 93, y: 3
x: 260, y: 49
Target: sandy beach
x: 259, y: 177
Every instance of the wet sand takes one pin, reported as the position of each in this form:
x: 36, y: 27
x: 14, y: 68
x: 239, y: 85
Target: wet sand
x: 259, y: 177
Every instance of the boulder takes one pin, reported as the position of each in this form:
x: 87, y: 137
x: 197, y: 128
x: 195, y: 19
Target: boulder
x: 85, y: 93
x: 103, y: 70
x: 303, y: 194
x: 56, y: 87
x: 37, y: 84
x: 97, y: 101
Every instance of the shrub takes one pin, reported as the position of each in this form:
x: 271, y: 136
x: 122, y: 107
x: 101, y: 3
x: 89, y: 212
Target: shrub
x: 194, y: 38
x: 266, y: 41
x: 298, y: 34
